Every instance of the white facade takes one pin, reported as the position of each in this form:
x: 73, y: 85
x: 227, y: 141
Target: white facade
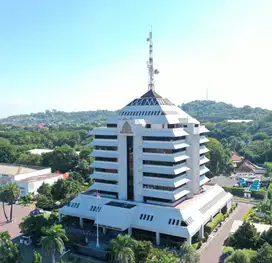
x: 151, y: 157
x: 29, y: 179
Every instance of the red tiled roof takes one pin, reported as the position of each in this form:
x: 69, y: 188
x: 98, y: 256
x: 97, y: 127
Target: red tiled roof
x: 235, y: 157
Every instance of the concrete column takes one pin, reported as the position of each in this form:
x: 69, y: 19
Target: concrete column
x: 201, y: 232
x: 60, y: 217
x: 130, y: 231
x: 189, y: 240
x: 81, y: 222
x: 158, y: 239
x: 104, y: 231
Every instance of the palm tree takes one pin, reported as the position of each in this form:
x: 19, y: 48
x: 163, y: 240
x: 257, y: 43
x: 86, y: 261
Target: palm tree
x: 122, y: 249
x: 53, y: 240
x: 3, y: 199
x: 12, y: 192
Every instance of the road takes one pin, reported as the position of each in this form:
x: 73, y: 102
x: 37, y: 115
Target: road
x: 213, y: 251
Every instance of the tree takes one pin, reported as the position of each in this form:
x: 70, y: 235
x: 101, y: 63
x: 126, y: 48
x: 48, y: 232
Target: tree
x: 74, y: 176
x: 29, y: 159
x: 53, y: 240
x: 12, y: 194
x: 9, y: 252
x: 45, y: 189
x: 121, y: 249
x: 7, y: 154
x: 45, y: 202
x: 142, y: 250
x: 161, y: 256
x: 241, y: 256
x: 63, y: 159
x: 37, y: 258
x: 264, y: 254
x: 3, y: 199
x: 245, y: 237
x: 187, y: 254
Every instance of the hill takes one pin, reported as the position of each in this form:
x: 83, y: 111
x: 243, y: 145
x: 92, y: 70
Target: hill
x: 212, y: 111
x: 205, y: 111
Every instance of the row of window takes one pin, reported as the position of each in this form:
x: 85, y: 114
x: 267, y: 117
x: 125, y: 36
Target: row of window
x: 109, y: 137
x: 176, y: 222
x: 105, y: 181
x: 160, y: 138
x: 74, y: 205
x: 102, y: 170
x: 95, y: 208
x: 106, y: 148
x: 162, y: 200
x: 106, y: 159
x: 168, y: 176
x: 165, y: 188
x: 163, y: 163
x: 111, y: 125
x: 146, y: 217
x: 169, y: 126
x: 167, y: 151
x: 140, y: 113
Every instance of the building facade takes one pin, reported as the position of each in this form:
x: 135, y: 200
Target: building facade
x: 149, y: 168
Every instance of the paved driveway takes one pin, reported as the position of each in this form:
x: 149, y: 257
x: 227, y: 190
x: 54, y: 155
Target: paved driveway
x: 18, y: 213
x: 212, y: 253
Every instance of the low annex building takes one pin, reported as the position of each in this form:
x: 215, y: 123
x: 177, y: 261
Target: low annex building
x: 28, y: 178
x: 150, y: 171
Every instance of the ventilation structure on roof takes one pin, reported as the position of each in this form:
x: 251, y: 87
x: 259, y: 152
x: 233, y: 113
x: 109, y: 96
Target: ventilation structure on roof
x: 95, y: 208
x: 74, y: 205
x: 176, y: 222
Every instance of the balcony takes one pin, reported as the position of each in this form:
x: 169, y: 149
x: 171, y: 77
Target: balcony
x: 203, y: 180
x: 102, y: 153
x: 105, y: 176
x: 177, y: 169
x: 166, y: 157
x: 105, y: 165
x: 103, y: 131
x: 203, y: 129
x: 203, y: 139
x: 104, y: 187
x: 165, y: 144
x: 104, y: 142
x: 203, y: 159
x: 203, y: 149
x: 203, y: 170
x: 170, y: 182
x: 164, y: 132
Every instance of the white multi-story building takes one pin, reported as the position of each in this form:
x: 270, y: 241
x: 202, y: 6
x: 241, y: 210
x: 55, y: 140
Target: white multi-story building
x: 149, y: 169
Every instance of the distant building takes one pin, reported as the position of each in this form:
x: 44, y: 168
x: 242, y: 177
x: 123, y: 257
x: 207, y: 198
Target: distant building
x: 236, y: 159
x: 249, y: 170
x: 239, y: 121
x: 29, y: 179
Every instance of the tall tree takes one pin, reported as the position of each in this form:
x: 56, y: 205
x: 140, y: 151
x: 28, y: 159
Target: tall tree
x: 53, y: 241
x: 187, y: 254
x: 122, y: 249
x: 13, y: 193
x: 3, y: 199
x: 241, y: 256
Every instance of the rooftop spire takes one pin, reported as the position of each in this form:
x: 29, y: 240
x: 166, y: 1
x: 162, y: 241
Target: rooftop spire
x: 151, y: 70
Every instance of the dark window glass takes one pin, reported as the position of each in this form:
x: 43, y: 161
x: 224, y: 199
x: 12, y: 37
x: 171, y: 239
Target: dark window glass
x: 163, y: 163
x: 111, y: 125
x: 153, y: 138
x: 148, y: 126
x: 106, y: 159
x: 111, y: 137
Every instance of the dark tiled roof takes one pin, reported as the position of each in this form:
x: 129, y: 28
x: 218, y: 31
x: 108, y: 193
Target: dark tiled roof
x: 150, y: 98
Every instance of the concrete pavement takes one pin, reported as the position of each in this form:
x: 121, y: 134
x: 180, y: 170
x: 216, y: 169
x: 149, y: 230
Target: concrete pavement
x: 212, y: 252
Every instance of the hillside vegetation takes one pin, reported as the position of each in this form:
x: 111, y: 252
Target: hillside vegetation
x: 213, y: 111
x: 204, y: 111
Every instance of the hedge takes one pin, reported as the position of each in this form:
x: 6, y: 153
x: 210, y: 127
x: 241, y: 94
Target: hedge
x: 237, y: 191
x: 260, y: 194
x: 216, y: 220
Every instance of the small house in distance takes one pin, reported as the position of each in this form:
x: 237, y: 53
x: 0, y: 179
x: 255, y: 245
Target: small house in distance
x: 28, y: 178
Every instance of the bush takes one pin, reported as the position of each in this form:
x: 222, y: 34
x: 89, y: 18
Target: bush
x: 260, y: 194
x: 216, y: 220
x: 248, y: 214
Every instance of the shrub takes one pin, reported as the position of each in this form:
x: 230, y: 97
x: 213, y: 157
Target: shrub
x: 216, y: 220
x: 237, y: 191
x: 248, y: 214
x: 200, y: 244
x: 228, y: 250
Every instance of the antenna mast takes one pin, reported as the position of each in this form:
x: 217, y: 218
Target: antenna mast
x: 151, y: 71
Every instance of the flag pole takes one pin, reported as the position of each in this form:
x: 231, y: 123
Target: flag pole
x: 97, y: 230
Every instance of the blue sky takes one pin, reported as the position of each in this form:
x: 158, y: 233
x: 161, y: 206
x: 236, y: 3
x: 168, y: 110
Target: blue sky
x: 91, y: 54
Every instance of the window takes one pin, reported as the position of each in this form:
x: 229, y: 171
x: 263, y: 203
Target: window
x: 164, y: 175
x: 141, y: 216
x: 102, y: 170
x: 108, y: 137
x: 106, y: 159
x: 163, y: 163
x: 196, y: 125
x: 148, y: 126
x: 106, y: 148
x: 153, y: 138
x: 111, y: 125
x: 176, y: 222
x: 167, y: 151
x: 146, y: 217
x: 164, y: 188
x: 105, y: 181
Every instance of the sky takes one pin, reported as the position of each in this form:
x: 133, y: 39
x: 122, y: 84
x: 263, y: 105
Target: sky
x: 91, y: 54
